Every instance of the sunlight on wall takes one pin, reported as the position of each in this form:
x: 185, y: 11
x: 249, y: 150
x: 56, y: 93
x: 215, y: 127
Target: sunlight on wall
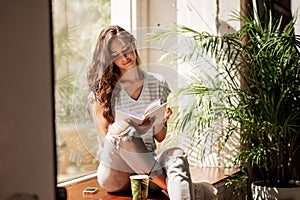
x: 198, y: 15
x: 295, y: 4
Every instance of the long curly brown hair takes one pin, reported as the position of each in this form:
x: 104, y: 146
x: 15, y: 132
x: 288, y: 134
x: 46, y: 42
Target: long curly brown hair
x: 103, y: 74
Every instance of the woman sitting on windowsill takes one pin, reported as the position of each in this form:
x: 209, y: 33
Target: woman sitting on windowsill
x: 116, y: 81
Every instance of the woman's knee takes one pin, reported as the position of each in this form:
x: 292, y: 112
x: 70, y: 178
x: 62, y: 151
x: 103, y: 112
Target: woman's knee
x: 177, y: 159
x: 114, y: 184
x: 112, y: 180
x: 176, y: 151
x: 108, y: 185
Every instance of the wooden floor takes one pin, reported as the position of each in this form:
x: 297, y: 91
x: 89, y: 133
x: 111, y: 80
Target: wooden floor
x: 209, y: 174
x: 74, y: 192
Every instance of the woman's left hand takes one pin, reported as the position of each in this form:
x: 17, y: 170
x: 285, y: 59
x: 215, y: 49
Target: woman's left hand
x: 168, y: 113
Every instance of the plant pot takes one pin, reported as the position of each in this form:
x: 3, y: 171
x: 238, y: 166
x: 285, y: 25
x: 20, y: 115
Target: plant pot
x: 261, y: 192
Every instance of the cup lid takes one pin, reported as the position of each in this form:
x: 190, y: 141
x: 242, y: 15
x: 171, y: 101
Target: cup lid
x: 139, y: 176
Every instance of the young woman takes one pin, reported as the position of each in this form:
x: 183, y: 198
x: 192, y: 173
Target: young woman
x: 116, y: 81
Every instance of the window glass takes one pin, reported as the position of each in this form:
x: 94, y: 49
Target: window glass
x: 76, y: 25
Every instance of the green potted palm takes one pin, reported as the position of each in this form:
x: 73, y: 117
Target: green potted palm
x: 259, y: 82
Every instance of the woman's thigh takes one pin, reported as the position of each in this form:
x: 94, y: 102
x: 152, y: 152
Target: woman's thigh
x: 113, y: 180
x: 113, y: 172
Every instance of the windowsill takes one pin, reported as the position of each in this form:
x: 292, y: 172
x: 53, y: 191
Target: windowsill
x: 77, y: 181
x: 212, y: 175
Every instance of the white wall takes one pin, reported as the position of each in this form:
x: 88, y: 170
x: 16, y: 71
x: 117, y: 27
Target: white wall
x: 295, y: 4
x: 213, y: 17
x: 121, y: 13
x: 26, y: 107
x: 200, y: 15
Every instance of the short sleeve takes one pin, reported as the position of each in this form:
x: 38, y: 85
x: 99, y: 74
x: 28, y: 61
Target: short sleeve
x: 165, y: 91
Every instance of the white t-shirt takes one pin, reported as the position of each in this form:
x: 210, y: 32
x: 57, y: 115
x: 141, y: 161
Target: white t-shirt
x: 154, y: 87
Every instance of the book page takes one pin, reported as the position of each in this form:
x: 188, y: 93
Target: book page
x: 154, y: 104
x: 126, y: 115
x: 158, y: 112
x: 154, y: 109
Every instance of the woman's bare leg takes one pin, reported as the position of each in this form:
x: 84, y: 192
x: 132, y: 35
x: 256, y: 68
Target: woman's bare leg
x: 113, y: 180
x: 124, y: 151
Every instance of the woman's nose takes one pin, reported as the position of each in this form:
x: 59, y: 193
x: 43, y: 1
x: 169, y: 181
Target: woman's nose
x: 123, y: 55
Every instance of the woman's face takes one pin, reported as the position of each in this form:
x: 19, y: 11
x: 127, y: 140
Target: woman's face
x: 123, y: 55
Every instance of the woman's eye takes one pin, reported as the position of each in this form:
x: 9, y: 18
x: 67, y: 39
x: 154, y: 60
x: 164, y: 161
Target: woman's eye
x: 123, y: 52
x: 126, y: 50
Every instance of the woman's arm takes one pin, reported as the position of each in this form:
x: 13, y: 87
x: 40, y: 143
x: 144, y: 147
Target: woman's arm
x: 161, y: 129
x: 100, y: 122
x: 160, y: 132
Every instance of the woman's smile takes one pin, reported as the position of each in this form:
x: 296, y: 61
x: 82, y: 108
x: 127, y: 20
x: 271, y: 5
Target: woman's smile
x: 127, y: 61
x: 123, y: 55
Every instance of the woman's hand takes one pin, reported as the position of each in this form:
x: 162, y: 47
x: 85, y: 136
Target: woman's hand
x: 168, y: 113
x: 143, y: 128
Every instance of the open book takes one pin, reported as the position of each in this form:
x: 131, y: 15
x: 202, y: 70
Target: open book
x: 155, y: 108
